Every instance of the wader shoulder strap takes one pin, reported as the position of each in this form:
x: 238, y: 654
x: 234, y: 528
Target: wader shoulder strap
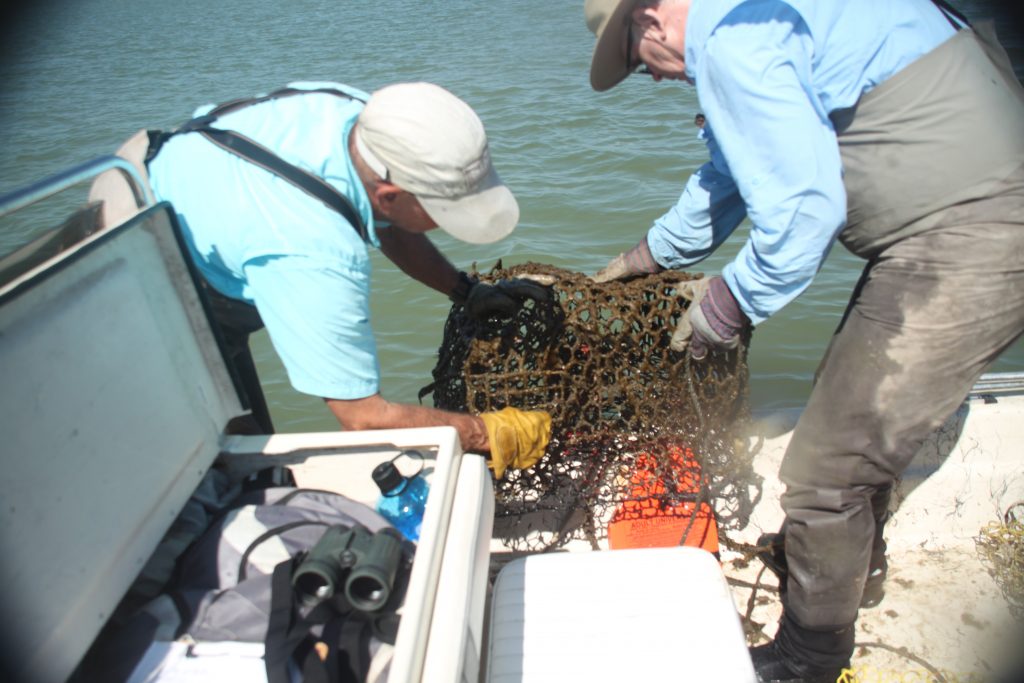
x: 252, y: 151
x: 951, y: 13
x: 255, y: 153
x: 241, y: 103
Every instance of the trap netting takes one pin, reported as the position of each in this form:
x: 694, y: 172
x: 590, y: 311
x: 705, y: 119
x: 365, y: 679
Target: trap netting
x: 643, y: 438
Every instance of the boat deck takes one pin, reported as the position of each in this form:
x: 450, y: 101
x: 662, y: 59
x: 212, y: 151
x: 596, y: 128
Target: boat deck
x: 944, y: 616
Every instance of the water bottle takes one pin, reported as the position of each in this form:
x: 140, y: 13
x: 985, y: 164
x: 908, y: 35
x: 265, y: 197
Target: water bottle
x: 402, y: 498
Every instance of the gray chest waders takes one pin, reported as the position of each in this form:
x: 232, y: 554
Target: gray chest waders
x: 958, y: 112
x: 933, y: 164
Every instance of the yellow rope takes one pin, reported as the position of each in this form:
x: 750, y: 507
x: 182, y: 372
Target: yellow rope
x: 871, y: 674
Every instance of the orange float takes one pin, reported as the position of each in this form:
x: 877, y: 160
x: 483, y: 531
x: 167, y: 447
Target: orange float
x: 646, y: 521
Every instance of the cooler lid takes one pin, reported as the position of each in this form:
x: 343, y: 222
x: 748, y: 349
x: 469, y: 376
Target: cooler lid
x: 113, y: 402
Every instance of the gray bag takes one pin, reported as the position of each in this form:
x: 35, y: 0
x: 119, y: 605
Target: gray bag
x: 234, y: 583
x: 223, y: 587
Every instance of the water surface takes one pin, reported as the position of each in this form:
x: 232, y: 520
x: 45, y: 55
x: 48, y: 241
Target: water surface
x: 591, y: 171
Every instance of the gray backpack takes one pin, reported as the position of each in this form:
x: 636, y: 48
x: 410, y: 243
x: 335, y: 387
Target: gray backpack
x: 314, y: 575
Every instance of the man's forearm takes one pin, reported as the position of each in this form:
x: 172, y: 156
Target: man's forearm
x: 374, y: 412
x: 418, y: 258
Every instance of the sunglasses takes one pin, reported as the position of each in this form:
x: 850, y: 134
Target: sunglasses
x: 633, y: 67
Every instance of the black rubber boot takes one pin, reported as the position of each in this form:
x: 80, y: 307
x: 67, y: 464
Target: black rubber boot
x: 803, y: 655
x: 774, y: 558
x: 771, y: 666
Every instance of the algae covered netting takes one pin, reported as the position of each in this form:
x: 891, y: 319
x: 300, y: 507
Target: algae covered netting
x: 639, y: 430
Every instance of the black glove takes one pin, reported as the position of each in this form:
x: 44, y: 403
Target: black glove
x: 504, y: 298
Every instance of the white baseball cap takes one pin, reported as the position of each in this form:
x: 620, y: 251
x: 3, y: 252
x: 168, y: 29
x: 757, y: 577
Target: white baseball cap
x: 431, y: 144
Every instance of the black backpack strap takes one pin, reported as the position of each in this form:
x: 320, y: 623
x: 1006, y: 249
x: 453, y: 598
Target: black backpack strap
x: 347, y: 637
x: 340, y: 655
x: 271, y: 533
x: 275, y: 476
x: 285, y: 629
x: 353, y: 647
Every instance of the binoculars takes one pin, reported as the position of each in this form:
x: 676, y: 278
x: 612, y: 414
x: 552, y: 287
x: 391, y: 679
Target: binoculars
x: 351, y: 568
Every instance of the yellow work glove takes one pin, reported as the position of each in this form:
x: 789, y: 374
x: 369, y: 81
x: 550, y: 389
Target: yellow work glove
x: 518, y: 438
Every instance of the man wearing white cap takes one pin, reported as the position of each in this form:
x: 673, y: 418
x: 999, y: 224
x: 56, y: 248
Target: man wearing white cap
x: 859, y: 121
x: 279, y: 197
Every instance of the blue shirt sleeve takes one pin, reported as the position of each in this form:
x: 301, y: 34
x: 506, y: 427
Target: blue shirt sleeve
x: 317, y: 314
x: 706, y: 214
x: 754, y: 83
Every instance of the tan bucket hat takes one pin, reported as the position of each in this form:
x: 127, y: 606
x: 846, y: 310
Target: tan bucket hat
x: 609, y: 21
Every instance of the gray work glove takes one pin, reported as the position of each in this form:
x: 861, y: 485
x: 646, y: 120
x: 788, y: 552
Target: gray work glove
x: 636, y: 261
x: 504, y: 297
x: 713, y: 319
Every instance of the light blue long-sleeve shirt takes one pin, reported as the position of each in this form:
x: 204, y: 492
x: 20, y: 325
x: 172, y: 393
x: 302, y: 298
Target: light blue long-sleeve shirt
x: 768, y: 73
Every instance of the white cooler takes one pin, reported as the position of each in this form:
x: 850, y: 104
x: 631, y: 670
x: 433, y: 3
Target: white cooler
x: 618, y: 615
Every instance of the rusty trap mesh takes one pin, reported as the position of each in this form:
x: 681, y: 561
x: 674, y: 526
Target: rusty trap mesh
x: 638, y: 431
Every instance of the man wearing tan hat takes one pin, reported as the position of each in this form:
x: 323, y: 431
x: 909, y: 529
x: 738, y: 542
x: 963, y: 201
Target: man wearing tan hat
x: 856, y: 120
x: 279, y: 198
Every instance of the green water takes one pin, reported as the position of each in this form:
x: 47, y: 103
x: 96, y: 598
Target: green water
x: 591, y: 170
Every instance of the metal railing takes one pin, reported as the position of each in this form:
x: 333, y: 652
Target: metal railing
x: 998, y: 383
x: 59, y: 182
x: 77, y: 226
